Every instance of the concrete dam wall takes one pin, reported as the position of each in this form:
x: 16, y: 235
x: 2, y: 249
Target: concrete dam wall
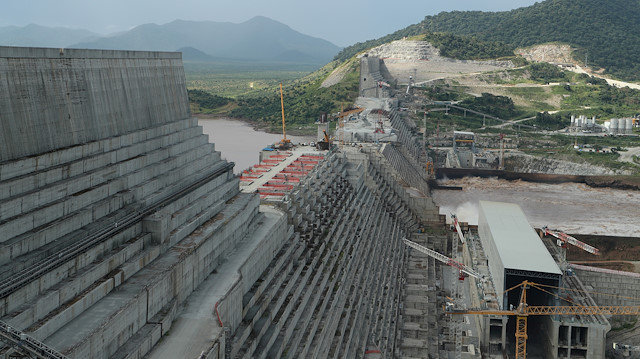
x: 103, y: 199
x: 123, y: 234
x: 55, y: 98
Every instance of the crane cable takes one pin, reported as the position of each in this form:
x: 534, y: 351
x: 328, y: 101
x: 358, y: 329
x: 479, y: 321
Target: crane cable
x: 587, y: 292
x: 538, y: 285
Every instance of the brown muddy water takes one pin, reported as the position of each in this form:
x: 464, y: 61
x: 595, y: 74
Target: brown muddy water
x: 570, y: 207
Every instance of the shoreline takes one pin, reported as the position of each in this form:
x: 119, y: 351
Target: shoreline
x: 256, y: 125
x: 616, y: 182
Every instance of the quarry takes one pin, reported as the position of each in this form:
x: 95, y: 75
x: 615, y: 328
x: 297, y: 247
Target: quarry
x: 124, y: 233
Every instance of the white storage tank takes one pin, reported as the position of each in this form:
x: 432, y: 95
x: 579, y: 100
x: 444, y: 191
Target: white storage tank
x: 621, y: 126
x: 628, y: 128
x: 613, y: 126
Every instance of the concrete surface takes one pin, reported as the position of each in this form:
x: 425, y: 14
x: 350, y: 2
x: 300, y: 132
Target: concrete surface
x: 55, y: 98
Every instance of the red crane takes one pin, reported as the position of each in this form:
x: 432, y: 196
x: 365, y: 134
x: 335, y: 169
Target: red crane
x: 565, y: 238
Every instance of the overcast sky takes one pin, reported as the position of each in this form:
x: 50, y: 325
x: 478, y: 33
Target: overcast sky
x: 343, y: 22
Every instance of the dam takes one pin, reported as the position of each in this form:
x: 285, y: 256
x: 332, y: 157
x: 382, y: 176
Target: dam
x: 124, y: 234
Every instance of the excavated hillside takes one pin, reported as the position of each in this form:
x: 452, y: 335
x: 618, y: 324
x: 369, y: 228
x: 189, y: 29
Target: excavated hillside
x: 421, y: 61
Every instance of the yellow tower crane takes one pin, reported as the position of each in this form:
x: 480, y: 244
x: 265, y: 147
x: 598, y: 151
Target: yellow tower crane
x: 523, y: 311
x: 285, y: 143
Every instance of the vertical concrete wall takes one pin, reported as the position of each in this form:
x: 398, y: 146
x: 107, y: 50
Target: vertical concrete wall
x: 55, y: 98
x: 625, y: 285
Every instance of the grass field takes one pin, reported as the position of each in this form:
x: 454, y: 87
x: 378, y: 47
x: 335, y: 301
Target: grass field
x: 241, y: 78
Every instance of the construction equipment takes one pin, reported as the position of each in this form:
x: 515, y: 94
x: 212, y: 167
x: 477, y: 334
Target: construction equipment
x: 379, y: 123
x: 565, y: 238
x: 325, y: 143
x: 523, y: 310
x: 285, y: 143
x: 463, y: 269
x: 456, y: 226
x: 341, y: 120
x: 501, y: 165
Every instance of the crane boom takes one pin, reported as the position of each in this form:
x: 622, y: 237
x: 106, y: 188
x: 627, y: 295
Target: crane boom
x: 523, y: 311
x: 444, y: 259
x: 457, y: 225
x: 565, y: 238
x: 558, y: 310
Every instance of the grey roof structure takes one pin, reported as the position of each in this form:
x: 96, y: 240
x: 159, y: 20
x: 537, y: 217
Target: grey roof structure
x: 517, y: 244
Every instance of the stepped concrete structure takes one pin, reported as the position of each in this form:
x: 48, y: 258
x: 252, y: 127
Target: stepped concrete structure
x: 124, y: 235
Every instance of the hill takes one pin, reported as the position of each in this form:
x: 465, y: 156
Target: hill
x: 606, y: 33
x: 41, y: 36
x: 259, y: 38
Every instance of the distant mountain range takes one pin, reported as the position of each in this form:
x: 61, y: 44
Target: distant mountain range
x: 41, y: 36
x: 258, y: 39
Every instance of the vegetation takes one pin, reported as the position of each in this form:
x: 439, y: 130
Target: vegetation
x: 468, y: 47
x: 545, y: 72
x: 498, y: 106
x: 235, y: 79
x: 205, y: 100
x: 303, y: 102
x: 605, y: 33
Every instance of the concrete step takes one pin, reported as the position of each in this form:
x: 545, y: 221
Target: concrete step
x: 172, y: 276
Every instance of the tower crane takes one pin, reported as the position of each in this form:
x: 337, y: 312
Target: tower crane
x: 522, y: 311
x: 285, y: 143
x: 463, y: 269
x: 565, y: 238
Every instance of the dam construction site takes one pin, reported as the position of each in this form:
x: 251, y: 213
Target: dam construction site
x: 124, y: 234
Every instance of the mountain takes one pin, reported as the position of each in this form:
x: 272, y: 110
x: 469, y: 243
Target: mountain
x: 193, y: 54
x: 606, y: 33
x: 259, y: 38
x: 40, y: 36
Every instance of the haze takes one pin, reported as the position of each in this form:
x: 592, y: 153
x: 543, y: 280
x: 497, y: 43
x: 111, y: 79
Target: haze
x: 341, y: 22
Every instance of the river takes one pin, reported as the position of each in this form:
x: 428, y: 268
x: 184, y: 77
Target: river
x: 570, y: 207
x: 239, y: 142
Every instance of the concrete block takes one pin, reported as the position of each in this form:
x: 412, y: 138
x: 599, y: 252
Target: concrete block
x: 16, y: 227
x: 10, y: 208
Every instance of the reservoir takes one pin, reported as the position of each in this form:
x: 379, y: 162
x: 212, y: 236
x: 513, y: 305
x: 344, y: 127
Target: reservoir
x: 570, y: 207
x: 239, y: 142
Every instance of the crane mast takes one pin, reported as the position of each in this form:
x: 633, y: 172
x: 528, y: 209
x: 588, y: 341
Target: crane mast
x: 523, y: 311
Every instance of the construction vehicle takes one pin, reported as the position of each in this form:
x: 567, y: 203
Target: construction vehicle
x: 285, y: 143
x: 325, y: 143
x: 564, y: 238
x: 464, y: 270
x: 522, y: 311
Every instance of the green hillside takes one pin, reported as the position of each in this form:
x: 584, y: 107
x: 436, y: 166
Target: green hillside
x: 606, y: 33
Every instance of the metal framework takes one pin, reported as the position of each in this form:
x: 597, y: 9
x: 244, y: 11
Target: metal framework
x: 523, y: 310
x: 26, y: 344
x: 444, y: 259
x: 526, y: 273
x: 565, y: 238
x: 457, y: 226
